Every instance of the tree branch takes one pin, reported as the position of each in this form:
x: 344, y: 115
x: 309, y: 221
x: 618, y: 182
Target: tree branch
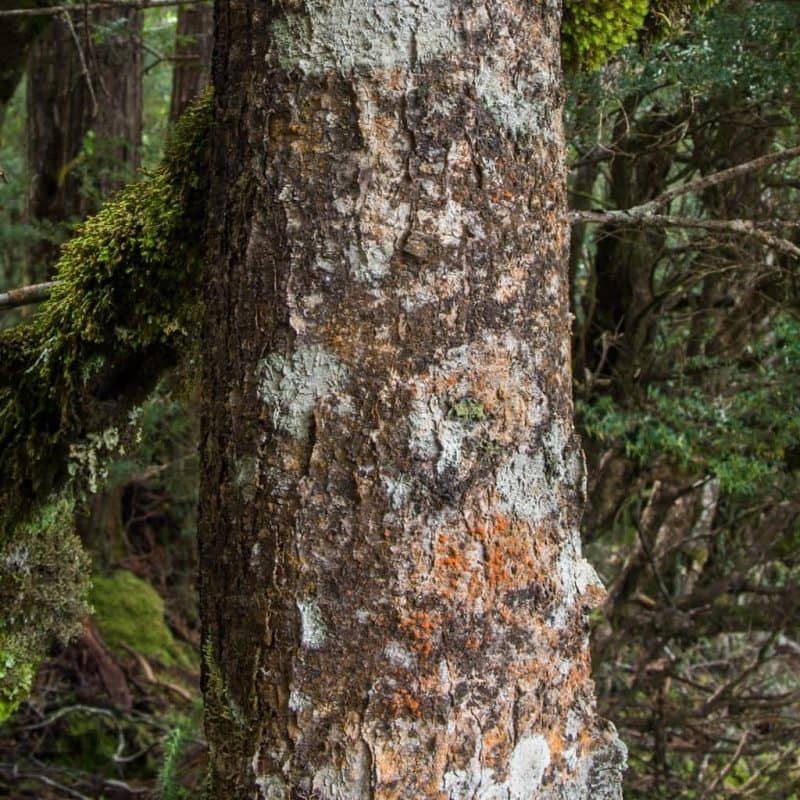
x: 640, y: 215
x: 644, y: 214
x: 724, y: 175
x: 25, y: 296
x: 55, y: 10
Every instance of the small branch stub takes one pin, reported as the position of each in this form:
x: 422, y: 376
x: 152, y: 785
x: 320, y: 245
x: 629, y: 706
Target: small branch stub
x: 25, y: 296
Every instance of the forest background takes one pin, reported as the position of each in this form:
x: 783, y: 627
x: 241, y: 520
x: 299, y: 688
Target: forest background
x: 684, y: 182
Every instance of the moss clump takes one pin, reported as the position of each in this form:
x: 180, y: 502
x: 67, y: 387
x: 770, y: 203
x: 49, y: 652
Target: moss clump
x: 129, y: 613
x: 125, y: 306
x: 16, y: 682
x: 467, y: 410
x: 593, y: 31
x: 44, y: 570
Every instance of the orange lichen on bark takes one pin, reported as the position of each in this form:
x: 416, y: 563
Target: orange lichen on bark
x: 420, y: 626
x: 451, y: 565
x: 403, y: 701
x: 555, y: 741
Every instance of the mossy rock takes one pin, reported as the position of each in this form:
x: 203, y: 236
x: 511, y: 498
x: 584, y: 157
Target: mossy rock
x: 129, y: 614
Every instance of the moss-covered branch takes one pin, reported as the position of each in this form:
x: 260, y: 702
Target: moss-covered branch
x: 125, y: 307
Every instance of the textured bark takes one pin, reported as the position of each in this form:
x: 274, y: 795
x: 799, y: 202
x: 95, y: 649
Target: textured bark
x: 64, y: 184
x: 16, y: 38
x: 194, y: 38
x: 393, y: 594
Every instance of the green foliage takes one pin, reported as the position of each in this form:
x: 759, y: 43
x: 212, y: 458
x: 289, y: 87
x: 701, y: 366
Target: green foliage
x: 15, y: 234
x: 168, y: 786
x: 159, y: 35
x: 744, y: 433
x: 125, y: 305
x: 16, y: 682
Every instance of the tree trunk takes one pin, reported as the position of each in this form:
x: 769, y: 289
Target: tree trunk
x: 68, y: 176
x: 194, y: 38
x: 393, y: 594
x: 17, y: 35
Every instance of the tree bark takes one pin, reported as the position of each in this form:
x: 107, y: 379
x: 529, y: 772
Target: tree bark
x: 194, y: 39
x: 393, y: 594
x: 66, y: 178
x: 16, y: 38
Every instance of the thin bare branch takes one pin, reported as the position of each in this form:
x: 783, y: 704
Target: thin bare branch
x: 723, y: 175
x: 82, y: 58
x: 49, y: 11
x: 641, y: 215
x: 25, y: 296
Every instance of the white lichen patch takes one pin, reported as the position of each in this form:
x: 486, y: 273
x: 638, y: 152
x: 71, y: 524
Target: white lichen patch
x: 298, y: 701
x: 353, y: 35
x: 291, y: 387
x: 313, y: 631
x: 271, y: 787
x: 514, y: 98
x: 380, y: 226
x: 525, y: 490
x: 576, y: 576
x: 398, y: 655
x: 531, y: 757
x: 529, y: 760
x: 445, y: 225
x: 245, y: 475
x: 434, y: 435
x: 480, y: 394
x: 381, y: 215
x: 398, y: 489
x: 479, y: 783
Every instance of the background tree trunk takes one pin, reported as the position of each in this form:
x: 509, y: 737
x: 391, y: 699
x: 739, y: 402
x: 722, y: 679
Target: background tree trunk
x: 17, y: 35
x: 393, y: 594
x: 68, y: 175
x: 194, y: 41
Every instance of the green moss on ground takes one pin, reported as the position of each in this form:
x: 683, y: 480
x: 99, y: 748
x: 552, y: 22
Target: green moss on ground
x: 129, y: 613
